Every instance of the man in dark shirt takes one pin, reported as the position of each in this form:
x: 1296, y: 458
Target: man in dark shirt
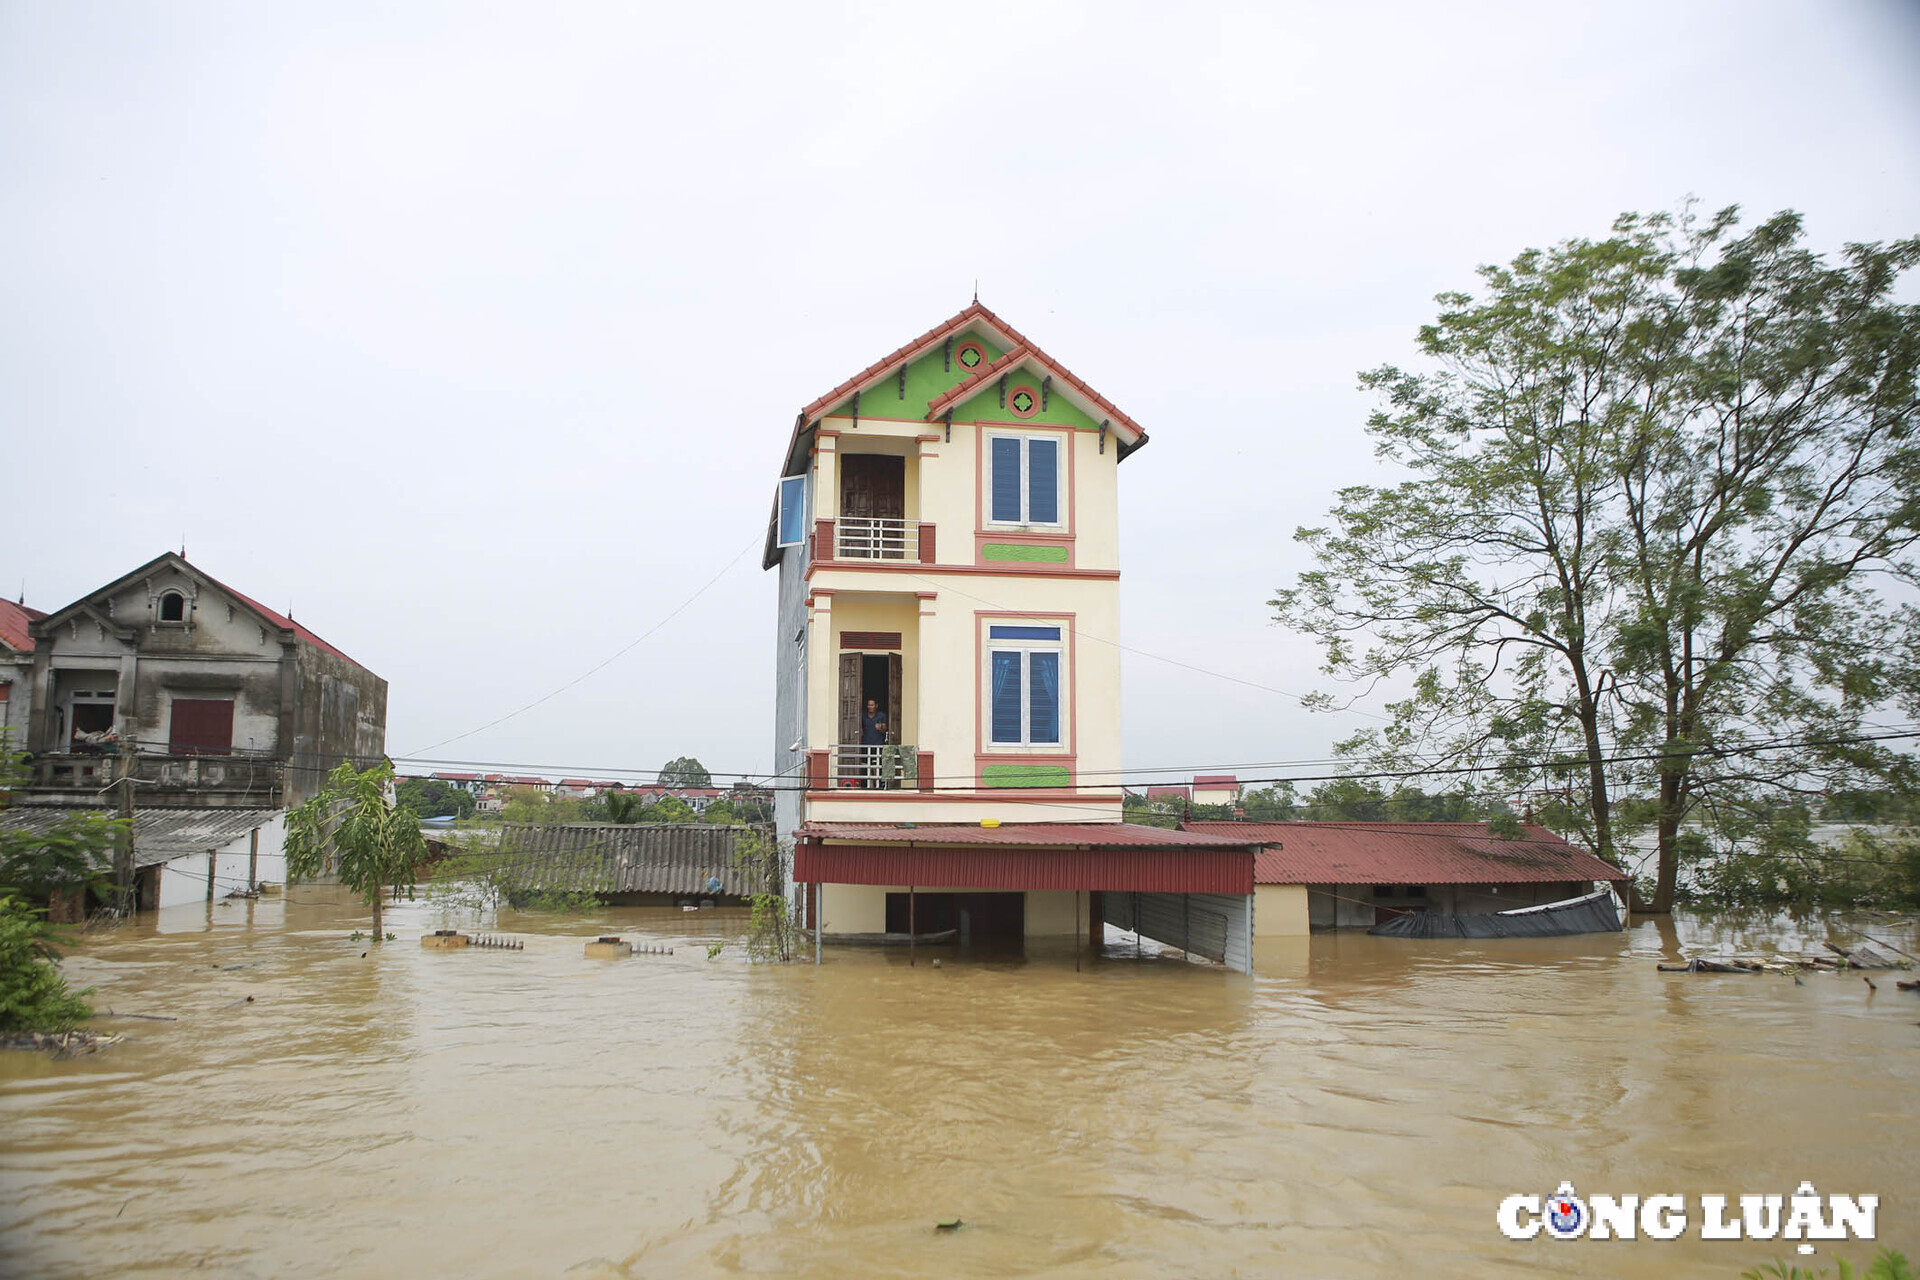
x: 873, y: 736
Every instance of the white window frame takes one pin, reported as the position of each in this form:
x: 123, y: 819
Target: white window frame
x: 1060, y: 440
x: 1026, y: 649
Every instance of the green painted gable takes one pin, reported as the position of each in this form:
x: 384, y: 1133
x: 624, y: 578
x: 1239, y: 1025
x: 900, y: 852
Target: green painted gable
x: 927, y: 381
x: 1059, y: 412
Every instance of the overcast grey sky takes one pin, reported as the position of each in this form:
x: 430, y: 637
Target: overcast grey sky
x: 474, y: 333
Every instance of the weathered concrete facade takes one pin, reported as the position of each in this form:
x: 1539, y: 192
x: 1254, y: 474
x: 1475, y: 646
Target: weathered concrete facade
x: 222, y: 700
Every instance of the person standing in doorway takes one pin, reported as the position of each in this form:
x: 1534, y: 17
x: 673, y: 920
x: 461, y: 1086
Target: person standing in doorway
x: 873, y: 736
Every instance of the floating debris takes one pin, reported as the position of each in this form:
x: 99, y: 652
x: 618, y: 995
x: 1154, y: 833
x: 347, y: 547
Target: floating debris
x: 61, y: 1044
x: 948, y: 1224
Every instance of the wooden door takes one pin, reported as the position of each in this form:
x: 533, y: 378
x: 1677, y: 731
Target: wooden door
x: 873, y: 486
x: 849, y: 699
x: 893, y: 697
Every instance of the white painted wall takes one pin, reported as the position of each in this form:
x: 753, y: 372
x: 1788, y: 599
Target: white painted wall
x: 183, y: 881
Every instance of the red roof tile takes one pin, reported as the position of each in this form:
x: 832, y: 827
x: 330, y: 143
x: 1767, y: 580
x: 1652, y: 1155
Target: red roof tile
x: 1096, y: 835
x: 13, y: 625
x: 280, y: 620
x: 458, y: 777
x: 1409, y: 853
x: 1215, y: 780
x: 1168, y: 793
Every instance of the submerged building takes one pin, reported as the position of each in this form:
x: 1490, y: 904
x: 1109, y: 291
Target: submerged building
x: 947, y: 723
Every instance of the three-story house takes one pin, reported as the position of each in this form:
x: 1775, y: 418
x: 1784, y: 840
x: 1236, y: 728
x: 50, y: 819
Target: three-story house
x: 947, y: 726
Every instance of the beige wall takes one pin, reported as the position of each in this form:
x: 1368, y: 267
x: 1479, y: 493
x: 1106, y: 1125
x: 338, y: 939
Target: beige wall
x: 1280, y: 911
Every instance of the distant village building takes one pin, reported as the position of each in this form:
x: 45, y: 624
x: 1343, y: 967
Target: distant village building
x: 223, y: 712
x: 1216, y: 788
x: 946, y: 533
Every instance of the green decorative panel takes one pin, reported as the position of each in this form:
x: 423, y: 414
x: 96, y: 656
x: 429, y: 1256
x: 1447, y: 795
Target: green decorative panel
x: 1024, y: 552
x: 1026, y: 775
x: 926, y: 380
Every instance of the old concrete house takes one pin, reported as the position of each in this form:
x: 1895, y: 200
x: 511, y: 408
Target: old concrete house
x: 222, y: 701
x: 16, y: 668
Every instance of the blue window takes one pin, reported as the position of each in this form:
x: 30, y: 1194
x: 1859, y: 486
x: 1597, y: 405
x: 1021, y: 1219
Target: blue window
x: 1024, y: 702
x: 1025, y: 485
x: 793, y: 511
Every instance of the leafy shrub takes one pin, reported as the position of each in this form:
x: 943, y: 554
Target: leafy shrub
x: 33, y: 995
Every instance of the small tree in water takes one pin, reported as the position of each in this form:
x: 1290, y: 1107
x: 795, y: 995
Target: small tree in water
x: 354, y: 829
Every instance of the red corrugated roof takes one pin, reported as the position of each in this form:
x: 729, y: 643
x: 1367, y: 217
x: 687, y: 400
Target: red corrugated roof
x: 1409, y: 853
x: 1224, y: 868
x: 1095, y: 835
x: 458, y: 777
x: 13, y: 625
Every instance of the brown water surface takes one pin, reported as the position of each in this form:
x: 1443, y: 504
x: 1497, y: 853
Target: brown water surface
x: 1356, y: 1108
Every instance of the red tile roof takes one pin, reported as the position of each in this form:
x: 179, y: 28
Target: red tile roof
x: 13, y: 625
x: 1409, y: 853
x: 578, y: 782
x: 280, y: 620
x: 458, y: 777
x: 1168, y: 793
x: 1096, y: 835
x: 1215, y: 780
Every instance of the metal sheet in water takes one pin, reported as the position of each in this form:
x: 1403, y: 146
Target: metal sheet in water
x: 1357, y: 1108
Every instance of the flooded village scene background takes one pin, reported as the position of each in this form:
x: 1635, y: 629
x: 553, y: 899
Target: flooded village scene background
x: 580, y: 695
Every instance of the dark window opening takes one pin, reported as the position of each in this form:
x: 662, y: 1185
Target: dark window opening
x: 974, y: 917
x: 92, y: 723
x: 1383, y: 891
x: 173, y: 607
x: 1416, y: 891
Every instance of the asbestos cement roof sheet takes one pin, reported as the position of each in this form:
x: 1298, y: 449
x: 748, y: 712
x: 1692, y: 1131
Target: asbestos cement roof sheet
x: 642, y: 858
x: 1409, y: 853
x: 159, y: 835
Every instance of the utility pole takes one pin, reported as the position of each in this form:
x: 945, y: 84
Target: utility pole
x: 123, y: 848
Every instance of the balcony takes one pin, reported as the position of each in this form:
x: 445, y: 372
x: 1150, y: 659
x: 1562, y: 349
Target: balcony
x: 873, y: 539
x: 869, y: 538
x: 857, y: 767
x: 238, y: 778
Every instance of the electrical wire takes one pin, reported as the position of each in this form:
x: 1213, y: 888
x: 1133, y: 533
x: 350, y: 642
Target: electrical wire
x: 626, y: 649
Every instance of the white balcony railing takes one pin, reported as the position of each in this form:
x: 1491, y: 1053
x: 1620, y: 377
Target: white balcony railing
x: 869, y: 538
x: 889, y: 768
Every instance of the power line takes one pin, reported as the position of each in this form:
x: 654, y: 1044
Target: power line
x: 610, y: 661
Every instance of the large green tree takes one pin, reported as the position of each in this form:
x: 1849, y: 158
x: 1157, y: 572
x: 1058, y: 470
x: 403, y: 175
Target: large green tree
x: 1651, y: 485
x: 685, y: 771
x: 434, y: 798
x: 353, y: 829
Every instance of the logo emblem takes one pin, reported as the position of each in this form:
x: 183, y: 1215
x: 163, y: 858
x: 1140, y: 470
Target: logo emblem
x: 1566, y: 1213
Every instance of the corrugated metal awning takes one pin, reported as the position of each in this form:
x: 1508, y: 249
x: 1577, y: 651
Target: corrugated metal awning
x: 1217, y: 869
x: 1409, y: 853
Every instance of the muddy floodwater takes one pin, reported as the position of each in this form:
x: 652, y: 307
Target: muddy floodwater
x: 1358, y: 1107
